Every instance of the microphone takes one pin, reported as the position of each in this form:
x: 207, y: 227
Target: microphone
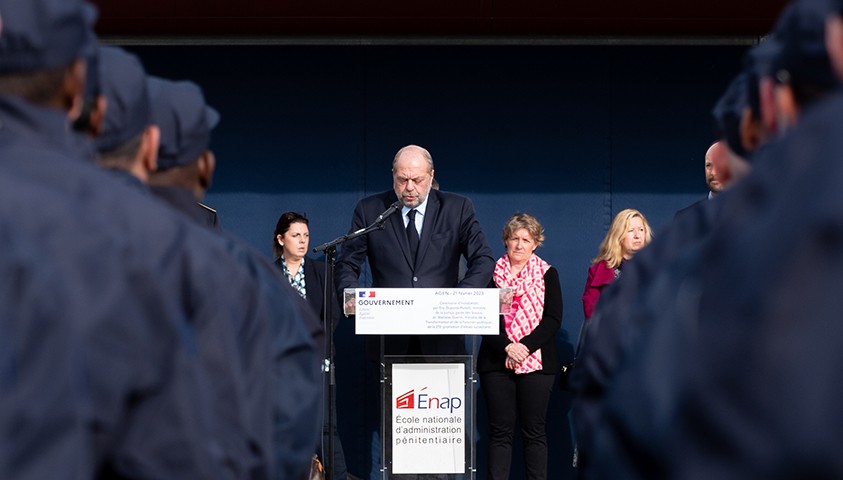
x: 377, y: 225
x: 389, y: 211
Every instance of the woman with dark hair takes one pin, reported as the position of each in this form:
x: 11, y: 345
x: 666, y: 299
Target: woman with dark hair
x: 518, y: 366
x: 290, y: 243
x: 306, y: 275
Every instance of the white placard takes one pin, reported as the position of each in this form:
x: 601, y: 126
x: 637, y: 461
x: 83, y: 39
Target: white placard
x: 428, y: 418
x: 427, y: 311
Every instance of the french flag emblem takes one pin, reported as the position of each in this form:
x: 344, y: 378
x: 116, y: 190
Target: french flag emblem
x: 369, y: 294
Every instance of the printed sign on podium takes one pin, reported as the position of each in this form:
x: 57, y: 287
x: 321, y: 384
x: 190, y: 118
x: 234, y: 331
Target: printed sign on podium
x: 426, y: 311
x: 427, y: 421
x: 430, y: 422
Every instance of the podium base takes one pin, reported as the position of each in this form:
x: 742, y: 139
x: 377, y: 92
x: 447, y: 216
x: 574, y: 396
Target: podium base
x: 427, y: 417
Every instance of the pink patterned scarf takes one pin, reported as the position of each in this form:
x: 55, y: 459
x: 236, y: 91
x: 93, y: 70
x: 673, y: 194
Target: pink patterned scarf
x: 527, y: 303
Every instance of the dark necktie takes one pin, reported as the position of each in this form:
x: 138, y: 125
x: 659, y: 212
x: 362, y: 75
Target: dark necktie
x: 412, y: 234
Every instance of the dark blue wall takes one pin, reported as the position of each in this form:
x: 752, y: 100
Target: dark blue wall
x: 569, y: 134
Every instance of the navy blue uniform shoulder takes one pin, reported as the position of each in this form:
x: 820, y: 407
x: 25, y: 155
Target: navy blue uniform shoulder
x: 752, y: 367
x: 169, y: 293
x: 182, y: 200
x: 110, y: 296
x: 618, y: 321
x: 212, y: 220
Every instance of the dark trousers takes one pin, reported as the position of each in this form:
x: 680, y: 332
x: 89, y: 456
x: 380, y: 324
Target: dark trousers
x: 526, y: 397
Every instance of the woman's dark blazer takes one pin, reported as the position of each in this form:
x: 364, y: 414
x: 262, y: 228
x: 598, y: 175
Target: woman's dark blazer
x: 492, y: 354
x: 314, y: 279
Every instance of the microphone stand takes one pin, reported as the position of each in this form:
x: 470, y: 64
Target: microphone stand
x: 330, y: 250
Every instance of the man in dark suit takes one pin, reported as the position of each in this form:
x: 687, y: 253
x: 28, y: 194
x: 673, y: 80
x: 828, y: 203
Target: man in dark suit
x: 422, y: 253
x: 716, y: 161
x: 420, y: 247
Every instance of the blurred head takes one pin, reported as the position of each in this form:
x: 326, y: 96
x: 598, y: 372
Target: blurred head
x: 716, y: 158
x: 43, y: 47
x: 185, y: 122
x: 628, y: 234
x: 291, y: 237
x: 729, y: 111
x: 522, y: 235
x: 93, y: 109
x: 738, y: 129
x: 834, y: 39
x: 803, y: 70
x: 758, y: 64
x: 127, y: 140
x: 412, y: 175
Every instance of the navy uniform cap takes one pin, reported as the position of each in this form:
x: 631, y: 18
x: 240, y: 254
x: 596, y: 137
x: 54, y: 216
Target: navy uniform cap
x: 757, y: 64
x: 185, y: 121
x: 728, y: 111
x: 123, y: 84
x: 44, y: 34
x: 759, y: 59
x: 92, y: 80
x: 802, y: 57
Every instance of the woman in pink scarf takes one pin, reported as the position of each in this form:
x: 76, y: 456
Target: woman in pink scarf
x: 518, y: 366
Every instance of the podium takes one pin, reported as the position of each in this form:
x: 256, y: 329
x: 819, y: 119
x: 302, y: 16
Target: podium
x: 427, y: 420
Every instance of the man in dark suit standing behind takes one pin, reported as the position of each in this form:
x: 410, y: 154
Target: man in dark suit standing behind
x: 716, y: 171
x: 420, y: 248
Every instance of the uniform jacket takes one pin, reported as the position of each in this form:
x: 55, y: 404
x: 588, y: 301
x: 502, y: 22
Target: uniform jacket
x: 314, y: 277
x: 152, y: 309
x: 183, y: 200
x: 606, y: 344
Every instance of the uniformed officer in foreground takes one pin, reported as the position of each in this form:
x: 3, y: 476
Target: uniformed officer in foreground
x: 129, y: 143
x: 186, y: 164
x: 102, y: 292
x: 627, y: 309
x: 795, y: 52
x: 743, y: 380
x: 126, y: 138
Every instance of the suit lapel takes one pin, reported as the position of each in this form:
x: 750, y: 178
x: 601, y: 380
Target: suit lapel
x: 430, y: 215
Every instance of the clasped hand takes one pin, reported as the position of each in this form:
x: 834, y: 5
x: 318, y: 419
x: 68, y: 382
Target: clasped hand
x: 515, y: 354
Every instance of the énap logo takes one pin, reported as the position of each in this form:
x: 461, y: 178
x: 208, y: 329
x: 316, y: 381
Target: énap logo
x: 366, y: 294
x: 425, y: 401
x: 407, y: 400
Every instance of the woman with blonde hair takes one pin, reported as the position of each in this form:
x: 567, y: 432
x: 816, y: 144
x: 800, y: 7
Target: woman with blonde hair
x: 628, y: 234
